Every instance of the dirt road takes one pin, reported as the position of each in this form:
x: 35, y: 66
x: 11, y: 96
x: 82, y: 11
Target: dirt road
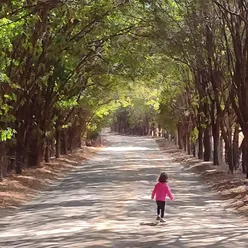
x: 102, y: 204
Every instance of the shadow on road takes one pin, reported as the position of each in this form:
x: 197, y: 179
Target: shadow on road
x: 103, y: 203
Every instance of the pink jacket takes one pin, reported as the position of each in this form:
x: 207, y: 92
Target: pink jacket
x: 161, y: 190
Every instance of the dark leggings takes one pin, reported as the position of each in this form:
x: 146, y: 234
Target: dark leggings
x: 160, y: 206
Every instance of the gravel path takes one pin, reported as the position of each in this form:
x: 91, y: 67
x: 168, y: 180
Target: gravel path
x: 102, y: 204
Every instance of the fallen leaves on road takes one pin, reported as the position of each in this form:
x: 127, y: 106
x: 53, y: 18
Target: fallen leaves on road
x: 17, y: 189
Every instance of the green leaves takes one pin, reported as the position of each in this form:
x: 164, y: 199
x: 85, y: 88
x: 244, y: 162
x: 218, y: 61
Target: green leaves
x: 11, y: 97
x: 87, y: 61
x: 6, y: 134
x: 67, y: 104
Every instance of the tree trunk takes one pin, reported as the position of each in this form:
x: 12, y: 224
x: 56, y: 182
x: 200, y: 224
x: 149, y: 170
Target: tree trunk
x: 3, y: 170
x: 184, y: 143
x: 48, y: 150
x: 11, y: 156
x: 243, y: 158
x: 216, y: 139
x: 221, y: 150
x: 36, y: 152
x: 58, y: 141
x: 72, y: 131
x: 19, y: 157
x: 230, y: 157
x: 207, y: 144
x: 194, y: 149
x: 188, y: 144
x: 176, y: 139
x: 180, y: 138
x: 64, y: 144
x: 235, y: 147
x: 185, y: 139
x: 245, y: 155
x: 78, y: 136
x: 200, y: 143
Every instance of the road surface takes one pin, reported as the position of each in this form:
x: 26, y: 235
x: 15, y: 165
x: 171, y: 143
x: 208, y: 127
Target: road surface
x: 102, y: 203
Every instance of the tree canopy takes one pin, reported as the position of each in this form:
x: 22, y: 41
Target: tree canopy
x: 69, y: 68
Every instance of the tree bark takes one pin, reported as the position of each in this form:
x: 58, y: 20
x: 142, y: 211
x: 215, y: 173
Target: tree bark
x: 200, y: 143
x: 207, y: 144
x: 180, y: 138
x: 3, y: 166
x: 188, y: 144
x: 64, y: 143
x: 48, y: 150
x: 230, y: 158
x: 235, y: 147
x: 36, y: 151
x: 245, y: 155
x: 216, y: 141
x: 58, y: 141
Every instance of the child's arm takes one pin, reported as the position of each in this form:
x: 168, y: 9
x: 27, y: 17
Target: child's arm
x: 168, y: 192
x: 154, y: 191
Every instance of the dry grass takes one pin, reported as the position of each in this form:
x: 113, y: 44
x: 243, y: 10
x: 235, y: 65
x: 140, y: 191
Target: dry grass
x: 17, y: 189
x: 230, y: 187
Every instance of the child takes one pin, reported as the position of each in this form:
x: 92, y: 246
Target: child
x: 161, y: 190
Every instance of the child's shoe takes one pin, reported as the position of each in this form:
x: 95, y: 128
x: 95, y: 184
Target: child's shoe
x: 162, y: 220
x: 158, y: 217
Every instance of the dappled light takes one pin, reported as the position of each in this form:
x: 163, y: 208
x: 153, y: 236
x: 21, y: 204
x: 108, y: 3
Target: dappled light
x: 152, y: 72
x: 124, y: 148
x: 103, y: 203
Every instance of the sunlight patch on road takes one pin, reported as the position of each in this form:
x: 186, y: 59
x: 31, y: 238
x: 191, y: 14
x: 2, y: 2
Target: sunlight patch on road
x: 64, y: 230
x: 12, y: 234
x: 127, y: 148
x: 142, y: 159
x: 117, y: 226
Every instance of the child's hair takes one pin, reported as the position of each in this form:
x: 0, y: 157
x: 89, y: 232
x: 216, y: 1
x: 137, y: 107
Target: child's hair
x: 163, y: 177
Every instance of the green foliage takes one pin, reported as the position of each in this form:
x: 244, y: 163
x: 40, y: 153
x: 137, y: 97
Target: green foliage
x: 6, y: 134
x: 85, y: 64
x: 194, y: 135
